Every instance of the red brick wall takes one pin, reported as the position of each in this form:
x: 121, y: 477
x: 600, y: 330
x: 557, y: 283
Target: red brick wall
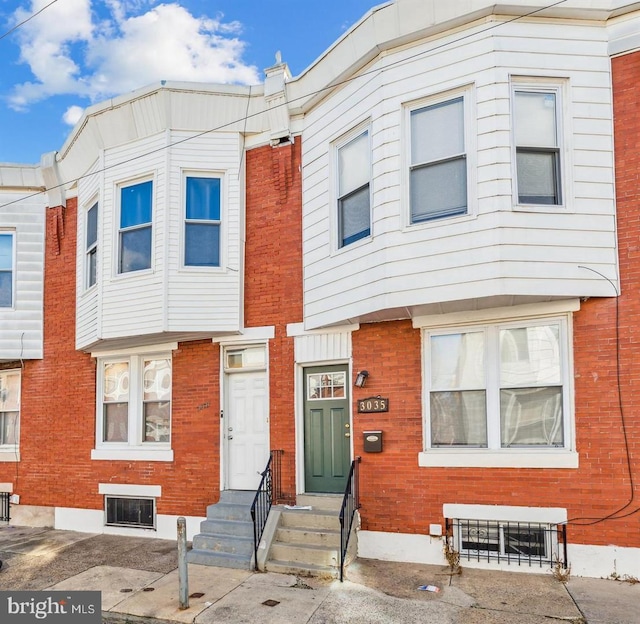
x: 273, y: 279
x: 58, y: 408
x: 399, y: 496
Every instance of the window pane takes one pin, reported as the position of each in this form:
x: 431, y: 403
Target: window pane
x: 6, y: 295
x: 355, y: 216
x: 135, y: 250
x: 157, y: 421
x: 458, y: 418
x: 202, y: 244
x: 437, y: 131
x: 135, y: 204
x: 531, y: 417
x: 92, y: 225
x: 439, y: 190
x: 9, y: 427
x: 537, y: 177
x: 9, y: 392
x: 6, y: 252
x: 203, y: 198
x: 116, y: 422
x: 91, y: 268
x: 157, y: 380
x: 457, y: 361
x: 535, y: 119
x: 353, y: 164
x: 116, y: 382
x: 530, y: 356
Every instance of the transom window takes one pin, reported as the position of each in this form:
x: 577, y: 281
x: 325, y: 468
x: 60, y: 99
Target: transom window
x: 91, y: 245
x: 244, y: 358
x: 438, y: 170
x: 498, y: 386
x: 326, y: 386
x: 537, y: 146
x: 135, y: 406
x: 202, y: 223
x: 135, y: 227
x: 6, y: 269
x: 354, y: 196
x: 9, y: 408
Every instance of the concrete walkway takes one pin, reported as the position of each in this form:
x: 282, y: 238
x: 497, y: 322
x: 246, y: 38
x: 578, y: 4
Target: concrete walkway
x: 139, y: 583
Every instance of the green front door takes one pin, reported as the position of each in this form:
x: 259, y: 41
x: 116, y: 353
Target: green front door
x: 327, y: 432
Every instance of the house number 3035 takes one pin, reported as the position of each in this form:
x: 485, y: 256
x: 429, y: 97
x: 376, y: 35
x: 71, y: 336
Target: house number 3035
x: 373, y: 404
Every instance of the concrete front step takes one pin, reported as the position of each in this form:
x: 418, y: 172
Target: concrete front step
x: 303, y: 554
x: 229, y: 511
x: 238, y: 497
x: 232, y: 528
x: 311, y: 520
x: 220, y: 559
x: 320, y: 502
x: 301, y: 569
x: 325, y: 537
x: 223, y: 543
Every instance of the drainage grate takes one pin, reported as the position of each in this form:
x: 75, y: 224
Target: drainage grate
x: 271, y: 603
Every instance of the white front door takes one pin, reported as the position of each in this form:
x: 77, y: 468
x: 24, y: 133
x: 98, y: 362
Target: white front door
x: 246, y: 429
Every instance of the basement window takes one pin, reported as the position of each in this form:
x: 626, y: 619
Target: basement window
x: 124, y: 511
x: 518, y: 543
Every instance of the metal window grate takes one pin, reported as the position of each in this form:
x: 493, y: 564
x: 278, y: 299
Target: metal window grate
x: 4, y: 506
x: 130, y: 512
x: 518, y: 543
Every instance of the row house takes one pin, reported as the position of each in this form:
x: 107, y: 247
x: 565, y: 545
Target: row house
x: 418, y: 258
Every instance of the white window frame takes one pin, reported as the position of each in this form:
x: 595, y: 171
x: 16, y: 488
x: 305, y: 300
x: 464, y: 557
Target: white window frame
x: 558, y: 87
x: 12, y: 269
x: 219, y: 175
x: 135, y: 448
x: 91, y: 250
x: 120, y: 186
x: 467, y: 93
x: 352, y: 135
x: 10, y: 452
x: 493, y: 455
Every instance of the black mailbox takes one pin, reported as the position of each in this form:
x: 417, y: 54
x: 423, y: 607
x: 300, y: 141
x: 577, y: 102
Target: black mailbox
x: 372, y: 441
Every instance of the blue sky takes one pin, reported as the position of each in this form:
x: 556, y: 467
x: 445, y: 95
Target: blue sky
x: 78, y: 52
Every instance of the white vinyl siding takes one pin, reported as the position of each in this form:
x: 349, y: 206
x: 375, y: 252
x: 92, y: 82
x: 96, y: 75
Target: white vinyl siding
x: 169, y: 298
x: 22, y: 216
x: 492, y: 253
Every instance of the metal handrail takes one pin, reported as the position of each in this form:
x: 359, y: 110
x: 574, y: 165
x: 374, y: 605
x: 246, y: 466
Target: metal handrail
x: 350, y: 503
x: 269, y: 491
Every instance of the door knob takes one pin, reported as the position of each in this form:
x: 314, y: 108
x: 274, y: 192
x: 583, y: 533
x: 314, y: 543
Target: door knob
x: 347, y: 425
x: 347, y: 435
x: 230, y: 437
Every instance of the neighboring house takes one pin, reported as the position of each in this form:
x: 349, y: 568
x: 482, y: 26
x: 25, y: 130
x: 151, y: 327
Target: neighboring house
x: 435, y: 201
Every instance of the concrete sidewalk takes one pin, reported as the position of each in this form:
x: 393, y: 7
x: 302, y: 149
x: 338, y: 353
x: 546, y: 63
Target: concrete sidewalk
x: 139, y: 583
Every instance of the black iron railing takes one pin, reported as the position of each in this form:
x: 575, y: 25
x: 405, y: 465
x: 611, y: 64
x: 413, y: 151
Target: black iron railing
x: 517, y: 543
x: 350, y: 503
x: 4, y: 506
x: 269, y: 491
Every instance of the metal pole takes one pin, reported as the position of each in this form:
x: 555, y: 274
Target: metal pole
x: 183, y: 575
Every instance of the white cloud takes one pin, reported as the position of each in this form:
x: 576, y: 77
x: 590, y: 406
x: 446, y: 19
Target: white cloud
x: 72, y: 115
x: 72, y: 51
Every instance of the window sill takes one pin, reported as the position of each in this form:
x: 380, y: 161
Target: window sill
x: 9, y: 455
x: 133, y: 454
x: 483, y: 458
